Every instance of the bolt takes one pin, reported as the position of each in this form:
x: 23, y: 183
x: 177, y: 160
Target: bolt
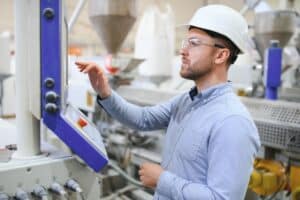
x: 48, y: 13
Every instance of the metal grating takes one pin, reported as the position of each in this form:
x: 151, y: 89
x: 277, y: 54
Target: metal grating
x: 278, y: 123
x: 293, y: 142
x: 275, y: 112
x: 272, y: 135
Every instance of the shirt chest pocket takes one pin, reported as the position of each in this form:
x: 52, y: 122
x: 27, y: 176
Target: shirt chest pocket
x: 192, y: 144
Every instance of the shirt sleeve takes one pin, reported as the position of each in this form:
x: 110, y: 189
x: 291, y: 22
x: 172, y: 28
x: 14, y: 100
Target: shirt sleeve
x: 232, y: 147
x: 138, y: 117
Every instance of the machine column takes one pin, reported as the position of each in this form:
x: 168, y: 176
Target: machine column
x: 27, y: 38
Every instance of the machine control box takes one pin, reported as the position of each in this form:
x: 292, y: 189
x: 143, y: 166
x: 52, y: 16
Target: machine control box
x: 83, y: 138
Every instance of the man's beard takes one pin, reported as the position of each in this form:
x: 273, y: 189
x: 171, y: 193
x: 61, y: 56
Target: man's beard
x: 194, y: 74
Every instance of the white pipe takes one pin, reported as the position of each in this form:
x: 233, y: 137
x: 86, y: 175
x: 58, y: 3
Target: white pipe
x: 287, y: 5
x: 249, y: 5
x: 75, y: 14
x: 27, y: 55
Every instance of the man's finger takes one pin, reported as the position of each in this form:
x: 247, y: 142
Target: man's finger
x: 81, y: 68
x: 82, y: 63
x: 89, y: 68
x: 140, y: 172
x: 142, y: 178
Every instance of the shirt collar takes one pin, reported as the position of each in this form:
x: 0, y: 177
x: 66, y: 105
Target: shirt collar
x: 210, y: 92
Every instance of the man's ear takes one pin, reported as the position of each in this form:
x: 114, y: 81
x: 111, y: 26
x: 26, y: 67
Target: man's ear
x: 222, y: 56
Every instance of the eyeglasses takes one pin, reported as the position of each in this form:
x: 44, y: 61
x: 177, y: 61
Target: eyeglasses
x: 194, y: 42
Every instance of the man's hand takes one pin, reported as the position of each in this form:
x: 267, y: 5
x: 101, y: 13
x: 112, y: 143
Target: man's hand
x: 97, y: 78
x: 149, y: 174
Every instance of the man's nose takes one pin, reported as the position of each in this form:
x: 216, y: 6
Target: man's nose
x: 184, y: 51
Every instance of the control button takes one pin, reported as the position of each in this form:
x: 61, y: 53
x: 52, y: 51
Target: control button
x: 49, y: 83
x: 82, y: 122
x: 51, y: 107
x: 51, y: 97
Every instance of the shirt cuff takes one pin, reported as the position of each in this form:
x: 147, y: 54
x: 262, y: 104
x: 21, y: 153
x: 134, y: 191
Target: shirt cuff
x: 165, y: 183
x: 104, y: 101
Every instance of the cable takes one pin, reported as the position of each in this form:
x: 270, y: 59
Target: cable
x: 40, y: 192
x: 119, y: 192
x: 125, y: 175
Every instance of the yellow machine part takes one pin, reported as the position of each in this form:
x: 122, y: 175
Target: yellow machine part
x: 295, y: 182
x: 89, y: 98
x: 267, y: 177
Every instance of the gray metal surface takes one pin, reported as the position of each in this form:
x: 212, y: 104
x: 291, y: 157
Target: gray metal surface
x: 273, y: 25
x: 290, y: 94
x: 112, y: 20
x: 44, y: 171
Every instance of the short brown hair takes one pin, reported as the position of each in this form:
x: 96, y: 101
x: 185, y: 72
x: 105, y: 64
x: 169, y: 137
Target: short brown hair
x: 234, y: 51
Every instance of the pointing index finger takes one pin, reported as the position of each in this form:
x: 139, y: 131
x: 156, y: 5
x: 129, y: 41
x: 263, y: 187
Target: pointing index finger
x: 81, y: 63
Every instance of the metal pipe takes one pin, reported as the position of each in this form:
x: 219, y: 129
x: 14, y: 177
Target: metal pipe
x: 248, y: 6
x: 125, y: 175
x: 119, y: 192
x: 287, y: 5
x: 27, y: 58
x: 75, y: 14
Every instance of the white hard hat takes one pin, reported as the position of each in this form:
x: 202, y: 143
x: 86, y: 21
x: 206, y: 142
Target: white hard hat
x: 223, y: 20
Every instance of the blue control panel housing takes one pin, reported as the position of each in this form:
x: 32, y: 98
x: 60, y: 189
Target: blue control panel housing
x: 79, y: 139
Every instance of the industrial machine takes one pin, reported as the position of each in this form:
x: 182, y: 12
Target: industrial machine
x: 41, y: 171
x: 42, y: 167
x: 58, y: 152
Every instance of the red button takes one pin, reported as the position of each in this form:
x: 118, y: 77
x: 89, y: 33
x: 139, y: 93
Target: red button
x: 81, y: 122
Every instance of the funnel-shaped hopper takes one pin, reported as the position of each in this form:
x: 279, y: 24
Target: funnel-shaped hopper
x: 273, y: 25
x: 112, y: 20
x: 123, y: 64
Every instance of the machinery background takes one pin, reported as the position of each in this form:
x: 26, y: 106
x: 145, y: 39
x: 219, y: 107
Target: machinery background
x: 36, y: 164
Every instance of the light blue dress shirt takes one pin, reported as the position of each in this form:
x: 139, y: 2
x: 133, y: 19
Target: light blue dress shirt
x: 210, y: 143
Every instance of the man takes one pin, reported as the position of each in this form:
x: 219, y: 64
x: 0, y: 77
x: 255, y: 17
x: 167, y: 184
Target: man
x: 211, y: 140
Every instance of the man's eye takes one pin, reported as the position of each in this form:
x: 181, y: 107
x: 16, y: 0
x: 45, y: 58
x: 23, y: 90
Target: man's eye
x: 193, y: 43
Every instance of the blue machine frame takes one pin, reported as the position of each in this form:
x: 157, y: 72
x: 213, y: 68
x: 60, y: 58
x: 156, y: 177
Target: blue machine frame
x: 51, y: 77
x: 272, y: 70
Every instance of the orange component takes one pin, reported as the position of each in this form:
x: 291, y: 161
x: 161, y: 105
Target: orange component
x: 109, y: 65
x: 112, y: 70
x: 82, y: 122
x: 74, y: 50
